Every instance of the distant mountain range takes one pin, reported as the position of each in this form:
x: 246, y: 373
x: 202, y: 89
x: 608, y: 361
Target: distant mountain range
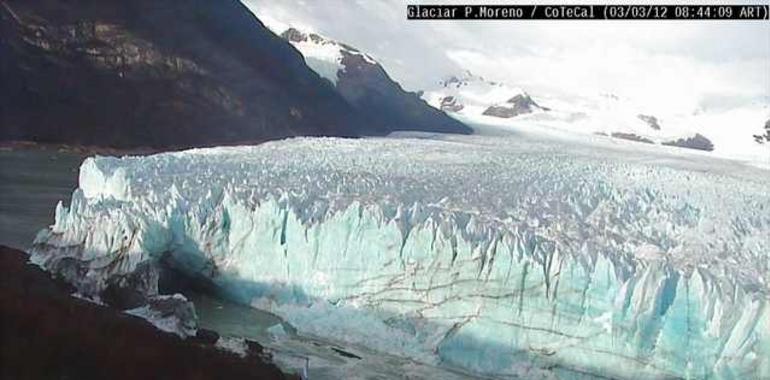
x: 470, y: 94
x: 474, y: 99
x: 171, y: 73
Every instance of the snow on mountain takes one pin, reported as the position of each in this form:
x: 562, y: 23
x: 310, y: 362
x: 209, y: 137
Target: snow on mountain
x: 469, y: 94
x: 728, y: 133
x: 324, y: 56
x: 507, y: 256
x: 365, y: 84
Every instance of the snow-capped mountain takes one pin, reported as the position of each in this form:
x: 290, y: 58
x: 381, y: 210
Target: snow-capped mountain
x: 734, y: 133
x: 326, y: 57
x: 667, y: 86
x: 472, y: 95
x: 365, y: 84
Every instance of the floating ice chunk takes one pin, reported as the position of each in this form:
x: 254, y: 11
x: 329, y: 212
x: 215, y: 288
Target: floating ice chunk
x: 172, y: 314
x: 235, y: 345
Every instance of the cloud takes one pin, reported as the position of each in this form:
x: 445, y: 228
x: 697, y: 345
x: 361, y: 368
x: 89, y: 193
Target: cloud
x: 670, y: 65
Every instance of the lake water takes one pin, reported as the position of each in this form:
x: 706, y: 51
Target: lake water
x: 32, y: 181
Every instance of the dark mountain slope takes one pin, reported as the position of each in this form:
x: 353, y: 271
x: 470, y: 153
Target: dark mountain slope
x: 159, y: 73
x: 365, y: 84
x: 368, y: 87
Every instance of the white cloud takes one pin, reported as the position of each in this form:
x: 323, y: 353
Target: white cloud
x: 666, y: 66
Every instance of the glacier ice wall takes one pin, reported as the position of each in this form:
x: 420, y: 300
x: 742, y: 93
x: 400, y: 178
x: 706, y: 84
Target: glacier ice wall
x: 491, y: 255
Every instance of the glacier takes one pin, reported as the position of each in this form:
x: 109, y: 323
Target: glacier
x: 505, y: 257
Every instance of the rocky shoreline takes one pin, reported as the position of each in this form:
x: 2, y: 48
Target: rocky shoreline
x: 47, y: 333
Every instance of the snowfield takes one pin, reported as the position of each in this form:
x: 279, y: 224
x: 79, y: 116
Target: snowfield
x: 729, y: 130
x: 322, y: 55
x: 500, y: 254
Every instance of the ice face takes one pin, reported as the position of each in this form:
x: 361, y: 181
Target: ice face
x: 501, y: 256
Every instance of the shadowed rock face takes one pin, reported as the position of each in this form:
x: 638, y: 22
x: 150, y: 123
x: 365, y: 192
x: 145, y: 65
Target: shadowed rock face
x: 652, y: 121
x: 464, y: 79
x: 365, y: 84
x: 698, y: 141
x: 761, y: 139
x: 368, y: 87
x: 517, y: 105
x: 159, y: 73
x: 632, y: 137
x: 450, y: 104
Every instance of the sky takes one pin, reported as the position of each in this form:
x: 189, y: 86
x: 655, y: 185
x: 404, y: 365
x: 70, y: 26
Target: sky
x: 670, y: 66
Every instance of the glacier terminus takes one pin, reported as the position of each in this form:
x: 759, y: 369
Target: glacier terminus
x: 508, y: 257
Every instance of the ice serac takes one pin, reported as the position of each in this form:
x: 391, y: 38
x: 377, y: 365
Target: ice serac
x: 500, y: 257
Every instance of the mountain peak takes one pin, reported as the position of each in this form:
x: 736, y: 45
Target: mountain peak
x: 294, y: 35
x: 471, y: 94
x: 365, y: 84
x: 519, y: 104
x: 464, y: 79
x: 320, y: 51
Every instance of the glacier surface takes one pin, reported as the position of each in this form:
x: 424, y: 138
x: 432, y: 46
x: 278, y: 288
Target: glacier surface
x: 607, y: 114
x: 499, y: 256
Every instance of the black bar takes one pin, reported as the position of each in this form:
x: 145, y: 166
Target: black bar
x: 588, y: 12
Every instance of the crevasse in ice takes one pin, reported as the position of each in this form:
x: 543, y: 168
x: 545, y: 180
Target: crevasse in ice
x: 495, y: 256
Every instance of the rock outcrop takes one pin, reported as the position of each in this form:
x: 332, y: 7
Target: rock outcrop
x: 761, y: 139
x: 631, y: 137
x: 698, y: 142
x: 48, y: 334
x: 652, y: 121
x: 451, y: 104
x: 515, y: 106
